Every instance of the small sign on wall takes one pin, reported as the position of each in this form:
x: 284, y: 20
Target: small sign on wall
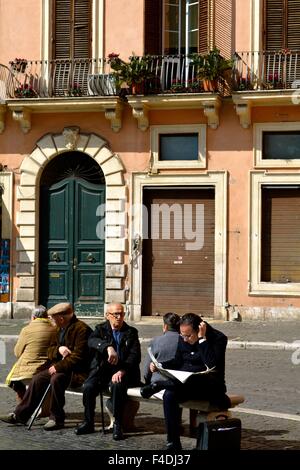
x: 4, y: 270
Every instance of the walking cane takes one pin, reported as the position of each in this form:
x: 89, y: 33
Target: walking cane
x: 34, y: 415
x: 102, y: 411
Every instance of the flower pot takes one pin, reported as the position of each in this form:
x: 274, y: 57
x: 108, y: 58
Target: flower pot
x: 137, y: 88
x: 210, y: 85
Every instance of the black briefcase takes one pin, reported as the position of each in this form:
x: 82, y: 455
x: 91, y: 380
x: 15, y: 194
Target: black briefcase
x: 219, y: 434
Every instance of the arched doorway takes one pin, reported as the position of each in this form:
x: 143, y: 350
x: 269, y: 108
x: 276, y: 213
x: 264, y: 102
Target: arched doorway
x: 71, y: 250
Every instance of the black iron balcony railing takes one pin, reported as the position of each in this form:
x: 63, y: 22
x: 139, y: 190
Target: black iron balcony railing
x: 91, y: 77
x: 266, y: 70
x: 166, y: 74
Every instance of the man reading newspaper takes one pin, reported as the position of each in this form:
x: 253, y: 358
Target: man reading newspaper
x: 201, y: 356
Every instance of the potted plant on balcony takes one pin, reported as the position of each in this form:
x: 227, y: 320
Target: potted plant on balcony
x: 273, y: 82
x: 132, y: 74
x: 210, y: 68
x: 75, y: 90
x: 25, y: 91
x: 18, y: 65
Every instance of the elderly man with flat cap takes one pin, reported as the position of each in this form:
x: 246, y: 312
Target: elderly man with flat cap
x: 68, y: 362
x: 115, y: 365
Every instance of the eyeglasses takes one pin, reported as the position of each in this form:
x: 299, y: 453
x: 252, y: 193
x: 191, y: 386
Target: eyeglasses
x: 186, y: 336
x: 116, y: 314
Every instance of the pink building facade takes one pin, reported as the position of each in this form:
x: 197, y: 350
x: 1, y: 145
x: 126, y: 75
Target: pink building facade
x: 164, y: 198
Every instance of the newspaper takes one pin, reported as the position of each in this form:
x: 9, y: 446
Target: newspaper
x: 180, y: 375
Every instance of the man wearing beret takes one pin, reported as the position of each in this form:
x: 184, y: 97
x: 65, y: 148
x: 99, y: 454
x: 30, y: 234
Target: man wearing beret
x: 68, y: 362
x: 115, y: 365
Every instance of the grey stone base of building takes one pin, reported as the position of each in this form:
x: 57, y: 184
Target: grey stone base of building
x: 229, y: 313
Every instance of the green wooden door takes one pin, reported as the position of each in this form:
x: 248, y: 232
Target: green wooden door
x: 72, y: 256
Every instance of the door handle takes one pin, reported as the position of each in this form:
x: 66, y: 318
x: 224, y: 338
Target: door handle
x: 90, y: 258
x: 55, y: 256
x: 75, y: 263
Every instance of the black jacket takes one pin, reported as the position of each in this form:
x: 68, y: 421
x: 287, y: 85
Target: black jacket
x: 130, y: 351
x: 196, y: 357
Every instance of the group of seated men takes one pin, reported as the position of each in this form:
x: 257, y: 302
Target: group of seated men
x: 109, y: 357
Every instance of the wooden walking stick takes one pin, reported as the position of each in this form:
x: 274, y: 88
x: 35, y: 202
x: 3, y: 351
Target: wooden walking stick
x: 34, y: 415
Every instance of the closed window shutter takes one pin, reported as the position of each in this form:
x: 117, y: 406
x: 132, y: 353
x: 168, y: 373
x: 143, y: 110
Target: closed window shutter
x: 280, y: 235
x: 223, y: 26
x: 82, y: 29
x: 282, y: 24
x: 293, y: 24
x: 72, y: 29
x: 71, y: 42
x: 203, y: 26
x: 62, y: 29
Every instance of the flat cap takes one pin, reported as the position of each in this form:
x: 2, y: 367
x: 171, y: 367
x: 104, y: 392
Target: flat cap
x: 60, y: 309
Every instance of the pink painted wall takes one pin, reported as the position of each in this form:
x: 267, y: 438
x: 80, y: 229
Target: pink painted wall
x: 124, y: 27
x: 20, y: 29
x: 243, y: 25
x: 229, y: 148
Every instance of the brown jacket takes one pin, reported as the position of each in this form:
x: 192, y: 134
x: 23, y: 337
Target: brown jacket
x: 31, y: 348
x: 76, y: 337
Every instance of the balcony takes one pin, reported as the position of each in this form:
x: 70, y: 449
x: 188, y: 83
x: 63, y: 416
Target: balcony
x: 90, y: 77
x: 90, y: 85
x: 257, y: 79
x: 265, y: 79
x: 169, y: 75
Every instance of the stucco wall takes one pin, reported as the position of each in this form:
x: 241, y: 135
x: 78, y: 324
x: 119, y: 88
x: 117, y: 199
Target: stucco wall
x: 124, y: 27
x: 20, y: 29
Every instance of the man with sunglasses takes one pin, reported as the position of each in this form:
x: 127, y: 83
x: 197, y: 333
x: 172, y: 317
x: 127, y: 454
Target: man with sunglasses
x: 115, y: 366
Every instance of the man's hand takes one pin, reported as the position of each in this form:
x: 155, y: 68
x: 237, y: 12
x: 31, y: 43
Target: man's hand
x: 52, y: 370
x: 152, y: 367
x: 202, y: 330
x: 117, y: 377
x: 64, y: 351
x: 112, y: 356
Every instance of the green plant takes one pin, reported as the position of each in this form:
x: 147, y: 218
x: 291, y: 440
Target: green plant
x: 132, y: 72
x: 25, y: 91
x: 75, y: 90
x: 211, y: 66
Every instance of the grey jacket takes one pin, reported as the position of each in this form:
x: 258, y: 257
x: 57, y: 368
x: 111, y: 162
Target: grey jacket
x: 164, y: 349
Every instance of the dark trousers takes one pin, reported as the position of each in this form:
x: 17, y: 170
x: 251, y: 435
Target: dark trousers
x: 91, y: 389
x: 36, y: 389
x: 19, y: 387
x: 197, y: 387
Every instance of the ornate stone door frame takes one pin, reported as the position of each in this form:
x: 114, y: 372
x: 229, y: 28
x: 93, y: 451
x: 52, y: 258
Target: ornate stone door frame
x: 27, y: 244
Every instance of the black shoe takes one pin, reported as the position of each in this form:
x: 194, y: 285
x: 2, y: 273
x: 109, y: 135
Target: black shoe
x: 148, y: 390
x: 174, y: 446
x: 117, y: 432
x: 84, y: 428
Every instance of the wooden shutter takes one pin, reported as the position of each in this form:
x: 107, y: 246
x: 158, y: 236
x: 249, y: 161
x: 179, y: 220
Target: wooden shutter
x: 223, y: 27
x: 61, y: 26
x: 71, y: 29
x: 280, y: 259
x: 71, y: 32
x: 203, y: 26
x: 153, y: 27
x: 293, y: 24
x: 281, y: 24
x: 82, y: 29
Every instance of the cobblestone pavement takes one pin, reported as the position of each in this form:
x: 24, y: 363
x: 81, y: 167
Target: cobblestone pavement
x: 268, y: 379
x: 258, y: 432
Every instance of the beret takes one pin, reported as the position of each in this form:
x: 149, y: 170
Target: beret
x: 61, y: 309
